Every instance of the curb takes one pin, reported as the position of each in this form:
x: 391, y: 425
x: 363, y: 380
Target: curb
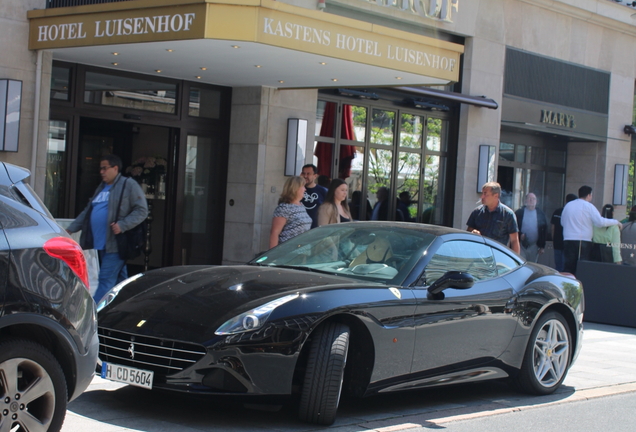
x: 437, y: 418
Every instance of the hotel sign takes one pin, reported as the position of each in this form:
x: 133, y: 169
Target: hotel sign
x: 350, y: 43
x: 267, y: 22
x: 118, y: 27
x: 164, y: 23
x: 441, y: 10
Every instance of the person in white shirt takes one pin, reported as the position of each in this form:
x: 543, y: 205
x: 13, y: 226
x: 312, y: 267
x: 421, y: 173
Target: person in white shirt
x: 578, y: 219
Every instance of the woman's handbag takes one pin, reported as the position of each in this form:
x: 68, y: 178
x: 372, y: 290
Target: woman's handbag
x: 130, y: 243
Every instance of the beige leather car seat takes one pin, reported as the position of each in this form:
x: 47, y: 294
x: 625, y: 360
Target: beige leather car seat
x: 377, y: 252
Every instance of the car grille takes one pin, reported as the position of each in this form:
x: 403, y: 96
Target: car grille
x: 163, y: 356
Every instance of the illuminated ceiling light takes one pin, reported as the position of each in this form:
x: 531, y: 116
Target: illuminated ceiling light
x: 334, y: 79
x: 322, y: 63
x: 169, y: 50
x: 398, y: 78
x: 198, y: 77
x: 115, y: 53
x: 115, y: 64
x: 257, y: 66
x: 235, y: 46
x: 281, y: 81
x: 158, y: 70
x: 204, y: 68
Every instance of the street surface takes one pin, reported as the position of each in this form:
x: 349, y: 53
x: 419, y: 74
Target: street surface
x: 607, y: 414
x: 605, y: 371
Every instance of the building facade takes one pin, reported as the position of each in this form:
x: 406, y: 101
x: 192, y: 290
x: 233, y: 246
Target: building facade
x: 211, y: 103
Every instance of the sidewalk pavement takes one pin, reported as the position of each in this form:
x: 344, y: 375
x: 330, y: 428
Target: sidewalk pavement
x: 606, y: 366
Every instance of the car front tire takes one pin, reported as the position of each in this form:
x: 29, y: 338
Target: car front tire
x: 32, y: 388
x: 325, y: 370
x: 547, y: 356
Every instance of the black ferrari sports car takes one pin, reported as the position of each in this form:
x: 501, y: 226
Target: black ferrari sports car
x: 362, y: 308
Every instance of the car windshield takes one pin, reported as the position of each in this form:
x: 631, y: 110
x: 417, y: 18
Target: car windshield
x: 368, y: 251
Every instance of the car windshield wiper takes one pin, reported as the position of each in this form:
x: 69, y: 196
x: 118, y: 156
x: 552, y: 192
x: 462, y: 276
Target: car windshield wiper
x: 293, y: 267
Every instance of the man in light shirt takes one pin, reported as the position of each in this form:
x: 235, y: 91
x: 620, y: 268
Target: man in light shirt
x: 578, y: 219
x: 533, y: 228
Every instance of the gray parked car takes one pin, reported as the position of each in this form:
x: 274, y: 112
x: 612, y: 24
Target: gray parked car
x: 48, y: 324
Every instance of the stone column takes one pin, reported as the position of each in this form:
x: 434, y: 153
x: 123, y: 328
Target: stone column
x: 258, y: 134
x: 482, y: 75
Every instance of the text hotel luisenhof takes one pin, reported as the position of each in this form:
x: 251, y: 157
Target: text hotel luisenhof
x: 346, y: 42
x: 275, y: 28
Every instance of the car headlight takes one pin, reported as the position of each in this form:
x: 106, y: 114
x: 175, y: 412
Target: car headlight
x: 252, y: 319
x: 110, y: 295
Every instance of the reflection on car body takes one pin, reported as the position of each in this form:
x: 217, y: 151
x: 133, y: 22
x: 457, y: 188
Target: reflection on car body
x: 361, y: 308
x: 48, y: 325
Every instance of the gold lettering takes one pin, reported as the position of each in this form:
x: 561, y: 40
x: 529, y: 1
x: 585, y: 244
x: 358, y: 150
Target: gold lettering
x: 97, y: 32
x: 189, y: 19
x: 179, y: 19
x: 267, y: 27
x: 557, y: 119
x: 150, y: 24
x: 162, y: 24
x: 42, y: 31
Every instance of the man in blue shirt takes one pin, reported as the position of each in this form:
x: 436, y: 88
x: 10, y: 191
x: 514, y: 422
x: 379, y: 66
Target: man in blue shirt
x: 493, y: 219
x: 98, y: 224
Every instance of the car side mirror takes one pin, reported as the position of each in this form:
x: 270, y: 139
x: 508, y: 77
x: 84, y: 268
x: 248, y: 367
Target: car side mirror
x: 452, y: 279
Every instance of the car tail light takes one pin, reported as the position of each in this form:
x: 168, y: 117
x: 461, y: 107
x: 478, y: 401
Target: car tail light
x: 71, y: 253
x: 570, y: 275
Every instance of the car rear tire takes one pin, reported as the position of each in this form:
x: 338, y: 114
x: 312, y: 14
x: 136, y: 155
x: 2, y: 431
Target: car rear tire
x: 32, y: 388
x: 325, y: 370
x: 547, y: 356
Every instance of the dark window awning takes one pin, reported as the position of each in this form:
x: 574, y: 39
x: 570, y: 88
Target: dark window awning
x: 480, y: 101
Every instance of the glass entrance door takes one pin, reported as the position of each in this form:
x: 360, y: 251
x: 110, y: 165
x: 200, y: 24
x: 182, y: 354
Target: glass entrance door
x: 144, y: 150
x: 199, y: 221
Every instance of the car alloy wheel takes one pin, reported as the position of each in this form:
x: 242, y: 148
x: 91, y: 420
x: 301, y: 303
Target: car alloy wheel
x: 325, y: 371
x: 32, y: 388
x: 547, y: 357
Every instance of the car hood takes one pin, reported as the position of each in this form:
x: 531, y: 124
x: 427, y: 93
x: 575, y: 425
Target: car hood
x: 190, y: 303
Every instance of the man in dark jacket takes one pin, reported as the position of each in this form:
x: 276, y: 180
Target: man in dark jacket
x: 98, y: 224
x: 533, y: 227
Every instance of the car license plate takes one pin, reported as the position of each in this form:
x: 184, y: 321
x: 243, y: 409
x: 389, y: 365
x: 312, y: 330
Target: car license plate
x: 128, y: 375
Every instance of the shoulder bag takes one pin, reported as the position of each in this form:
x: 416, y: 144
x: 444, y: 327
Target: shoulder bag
x: 130, y: 243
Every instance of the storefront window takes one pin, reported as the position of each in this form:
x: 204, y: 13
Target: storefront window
x: 556, y: 158
x: 436, y: 136
x: 411, y: 130
x: 536, y: 155
x: 382, y: 127
x: 532, y: 168
x: 396, y: 172
x: 60, y: 83
x: 359, y: 205
x: 55, y: 185
x: 359, y: 119
x: 205, y: 103
x: 506, y: 152
x: 127, y: 92
x: 379, y: 182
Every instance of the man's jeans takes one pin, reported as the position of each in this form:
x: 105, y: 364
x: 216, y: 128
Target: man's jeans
x: 573, y: 251
x: 530, y: 253
x: 559, y: 261
x: 112, y: 270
